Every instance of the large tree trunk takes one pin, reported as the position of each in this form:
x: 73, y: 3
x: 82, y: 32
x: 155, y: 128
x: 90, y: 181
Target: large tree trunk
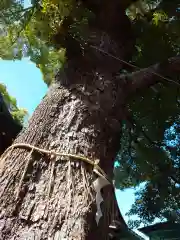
x: 67, y: 122
x: 45, y: 197
x: 81, y: 114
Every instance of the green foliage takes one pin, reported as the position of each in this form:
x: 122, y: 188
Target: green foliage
x: 17, y: 113
x: 26, y: 32
x: 31, y: 32
x: 145, y: 157
x: 155, y: 163
x: 159, y: 16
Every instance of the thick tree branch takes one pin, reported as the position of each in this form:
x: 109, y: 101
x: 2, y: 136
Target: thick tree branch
x: 147, y: 77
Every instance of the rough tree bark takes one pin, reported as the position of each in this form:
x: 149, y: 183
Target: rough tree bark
x: 81, y: 114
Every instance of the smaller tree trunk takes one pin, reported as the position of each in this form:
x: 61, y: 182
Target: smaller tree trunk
x: 9, y: 128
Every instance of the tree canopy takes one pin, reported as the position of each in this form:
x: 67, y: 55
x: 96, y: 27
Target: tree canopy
x: 46, y: 29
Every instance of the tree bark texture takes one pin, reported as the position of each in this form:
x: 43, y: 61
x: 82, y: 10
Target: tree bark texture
x: 74, y: 121
x: 43, y: 198
x: 81, y: 114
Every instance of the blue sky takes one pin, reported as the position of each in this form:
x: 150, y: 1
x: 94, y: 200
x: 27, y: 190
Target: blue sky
x: 24, y: 82
x: 27, y: 3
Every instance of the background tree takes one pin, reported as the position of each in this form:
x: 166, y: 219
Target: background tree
x: 96, y: 100
x: 11, y: 119
x: 17, y: 113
